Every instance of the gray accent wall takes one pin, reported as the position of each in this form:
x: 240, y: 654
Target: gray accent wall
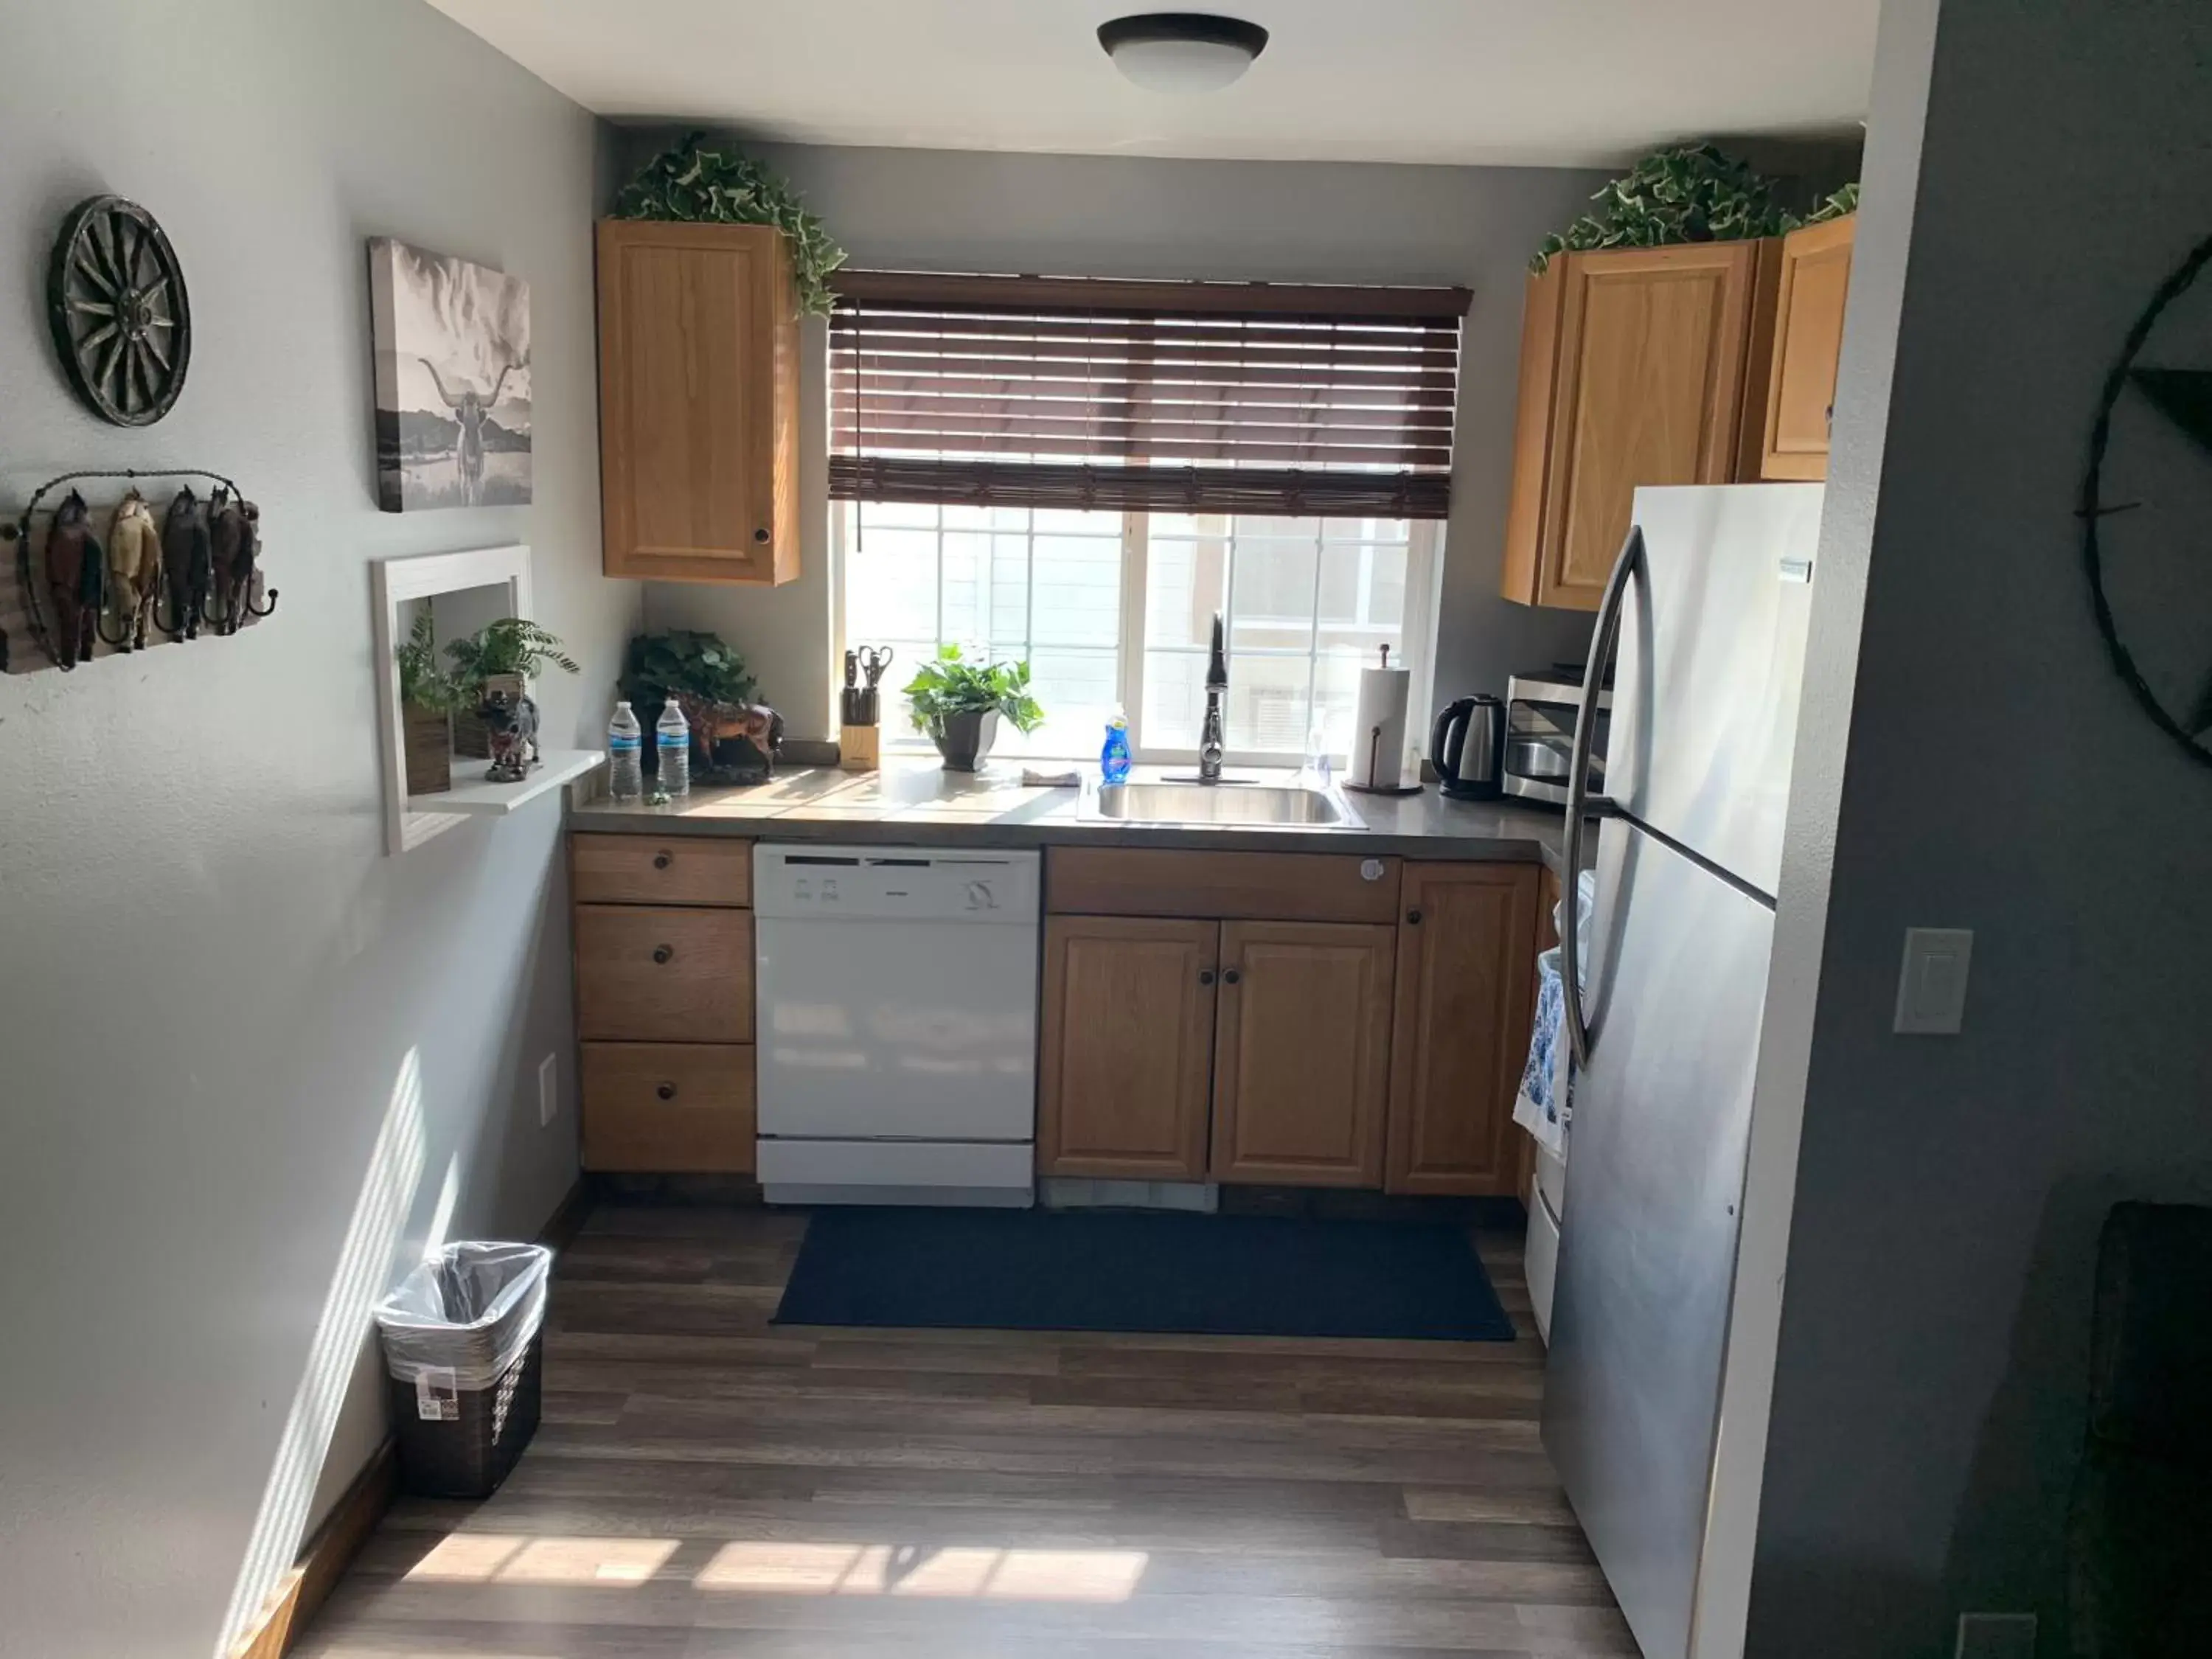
x: 212, y: 979
x: 1237, y: 221
x: 1969, y: 759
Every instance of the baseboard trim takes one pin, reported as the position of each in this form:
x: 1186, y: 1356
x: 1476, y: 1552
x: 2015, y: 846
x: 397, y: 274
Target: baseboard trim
x: 300, y: 1595
x: 567, y: 1218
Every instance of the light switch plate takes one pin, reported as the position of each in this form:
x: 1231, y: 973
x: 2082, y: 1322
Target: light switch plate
x: 1931, y: 986
x: 549, y: 1090
x: 1996, y: 1636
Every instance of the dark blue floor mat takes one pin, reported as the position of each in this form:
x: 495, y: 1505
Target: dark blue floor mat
x: 1094, y: 1270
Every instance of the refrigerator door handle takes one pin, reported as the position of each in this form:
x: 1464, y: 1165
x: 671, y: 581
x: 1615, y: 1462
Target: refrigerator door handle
x: 1581, y: 804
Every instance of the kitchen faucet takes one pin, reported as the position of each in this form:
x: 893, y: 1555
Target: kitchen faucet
x: 1217, y: 695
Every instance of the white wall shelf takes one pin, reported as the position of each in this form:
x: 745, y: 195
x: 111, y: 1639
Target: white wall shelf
x: 555, y: 767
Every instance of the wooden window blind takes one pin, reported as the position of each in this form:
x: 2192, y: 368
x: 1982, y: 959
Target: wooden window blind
x: 1168, y: 397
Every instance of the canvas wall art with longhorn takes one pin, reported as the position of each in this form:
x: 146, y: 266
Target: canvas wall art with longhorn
x: 453, y: 381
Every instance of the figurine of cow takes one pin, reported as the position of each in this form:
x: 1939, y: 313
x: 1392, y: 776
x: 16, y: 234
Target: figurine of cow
x: 510, y: 717
x: 187, y: 564
x: 74, y: 580
x: 234, y: 545
x: 134, y: 570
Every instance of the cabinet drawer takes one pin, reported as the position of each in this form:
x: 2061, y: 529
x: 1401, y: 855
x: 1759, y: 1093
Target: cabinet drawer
x: 645, y: 870
x: 647, y: 974
x: 1108, y: 881
x: 668, y: 1107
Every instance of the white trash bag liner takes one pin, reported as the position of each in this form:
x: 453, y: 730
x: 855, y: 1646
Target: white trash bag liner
x: 466, y: 1314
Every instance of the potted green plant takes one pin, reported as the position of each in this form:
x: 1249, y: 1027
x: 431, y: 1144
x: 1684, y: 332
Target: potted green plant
x: 1685, y: 193
x: 428, y: 697
x: 958, y: 703
x: 505, y: 654
x: 701, y: 672
x: 697, y: 181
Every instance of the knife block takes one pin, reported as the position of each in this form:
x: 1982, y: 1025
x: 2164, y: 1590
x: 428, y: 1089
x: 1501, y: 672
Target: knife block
x: 860, y: 748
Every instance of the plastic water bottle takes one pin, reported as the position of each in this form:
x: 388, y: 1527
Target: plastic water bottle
x: 1113, y: 758
x: 671, y: 741
x: 625, y: 770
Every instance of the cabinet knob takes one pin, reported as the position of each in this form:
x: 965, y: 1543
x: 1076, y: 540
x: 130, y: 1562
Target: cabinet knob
x: 1414, y: 918
x: 666, y: 1091
x: 1206, y: 976
x: 661, y: 861
x: 1230, y: 977
x: 760, y: 535
x: 663, y: 955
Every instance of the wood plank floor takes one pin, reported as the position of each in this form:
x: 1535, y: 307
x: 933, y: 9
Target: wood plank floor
x: 705, y: 1484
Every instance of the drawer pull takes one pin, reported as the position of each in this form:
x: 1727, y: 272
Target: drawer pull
x: 663, y: 954
x: 760, y: 535
x: 1413, y: 918
x: 661, y: 861
x: 666, y: 1091
x: 1206, y: 976
x: 1230, y: 977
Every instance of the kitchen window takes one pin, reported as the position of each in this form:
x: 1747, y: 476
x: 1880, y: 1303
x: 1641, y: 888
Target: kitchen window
x: 1113, y: 610
x: 1082, y: 472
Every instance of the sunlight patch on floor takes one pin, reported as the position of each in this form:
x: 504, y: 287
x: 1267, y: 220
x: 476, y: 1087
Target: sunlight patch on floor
x: 1015, y: 1575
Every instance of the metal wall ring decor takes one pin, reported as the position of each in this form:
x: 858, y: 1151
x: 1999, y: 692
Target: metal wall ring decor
x: 2145, y: 503
x: 115, y: 296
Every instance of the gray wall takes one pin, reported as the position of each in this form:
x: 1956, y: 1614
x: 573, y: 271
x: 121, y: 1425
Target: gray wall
x: 211, y: 974
x: 1930, y: 1396
x: 1117, y: 216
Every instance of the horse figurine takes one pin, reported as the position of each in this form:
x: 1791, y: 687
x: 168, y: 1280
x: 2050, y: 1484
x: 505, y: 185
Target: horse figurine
x: 74, y: 580
x: 187, y: 568
x: 233, y: 544
x: 134, y: 570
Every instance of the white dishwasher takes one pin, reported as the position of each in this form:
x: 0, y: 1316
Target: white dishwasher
x: 897, y: 1032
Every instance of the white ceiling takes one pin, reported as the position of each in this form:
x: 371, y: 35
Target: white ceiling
x: 1543, y: 82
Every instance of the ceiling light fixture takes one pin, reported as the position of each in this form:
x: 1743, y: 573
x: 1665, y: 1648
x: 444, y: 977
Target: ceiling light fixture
x: 1182, y: 51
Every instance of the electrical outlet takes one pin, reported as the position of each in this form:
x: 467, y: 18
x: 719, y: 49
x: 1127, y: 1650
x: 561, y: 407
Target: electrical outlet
x: 1931, y: 987
x: 548, y: 1088
x: 1996, y: 1636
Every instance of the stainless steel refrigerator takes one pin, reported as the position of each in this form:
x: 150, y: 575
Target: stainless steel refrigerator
x: 1705, y: 620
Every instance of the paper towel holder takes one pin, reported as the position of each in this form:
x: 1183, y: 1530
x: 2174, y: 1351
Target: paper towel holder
x: 1373, y: 738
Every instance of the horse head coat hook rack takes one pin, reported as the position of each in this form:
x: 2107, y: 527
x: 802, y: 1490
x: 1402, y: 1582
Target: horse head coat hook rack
x: 198, y: 566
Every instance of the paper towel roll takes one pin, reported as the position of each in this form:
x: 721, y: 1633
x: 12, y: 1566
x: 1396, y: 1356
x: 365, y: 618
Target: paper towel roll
x: 1378, y: 761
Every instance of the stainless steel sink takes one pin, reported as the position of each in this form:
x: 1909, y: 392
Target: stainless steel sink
x: 1246, y: 805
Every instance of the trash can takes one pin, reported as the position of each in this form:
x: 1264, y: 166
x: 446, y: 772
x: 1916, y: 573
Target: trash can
x: 462, y: 1346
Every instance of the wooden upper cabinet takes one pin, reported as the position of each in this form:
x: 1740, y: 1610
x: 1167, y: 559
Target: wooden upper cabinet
x: 1814, y: 278
x: 1126, y: 1054
x: 1632, y: 372
x: 698, y: 402
x: 1466, y: 991
x: 1301, y: 1060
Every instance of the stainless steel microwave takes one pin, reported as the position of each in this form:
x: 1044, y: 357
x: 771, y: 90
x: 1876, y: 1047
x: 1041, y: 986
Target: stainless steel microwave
x: 1540, y: 734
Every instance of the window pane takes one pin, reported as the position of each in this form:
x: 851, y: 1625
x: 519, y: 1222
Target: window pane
x: 1365, y: 530
x: 890, y: 584
x: 1267, y: 703
x: 1080, y: 690
x: 1008, y: 625
x: 1186, y: 581
x: 1078, y: 589
x: 967, y: 586
x: 1174, y: 699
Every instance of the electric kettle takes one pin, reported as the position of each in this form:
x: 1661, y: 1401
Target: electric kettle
x: 1467, y: 747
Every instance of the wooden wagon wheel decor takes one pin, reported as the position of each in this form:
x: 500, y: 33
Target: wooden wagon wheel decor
x: 115, y: 295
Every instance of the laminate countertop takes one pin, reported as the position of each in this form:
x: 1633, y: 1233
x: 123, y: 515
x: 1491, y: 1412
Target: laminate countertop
x: 918, y: 803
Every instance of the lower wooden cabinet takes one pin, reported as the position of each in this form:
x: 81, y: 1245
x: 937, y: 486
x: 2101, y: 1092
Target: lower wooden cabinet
x: 1301, y: 1053
x: 668, y: 1107
x: 1127, y: 1047
x: 664, y: 973
x: 1465, y: 998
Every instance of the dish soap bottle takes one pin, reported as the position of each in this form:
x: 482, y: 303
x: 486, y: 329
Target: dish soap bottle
x: 1113, y: 758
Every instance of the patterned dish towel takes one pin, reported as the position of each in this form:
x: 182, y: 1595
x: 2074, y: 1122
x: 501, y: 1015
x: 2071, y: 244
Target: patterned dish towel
x: 1545, y: 1105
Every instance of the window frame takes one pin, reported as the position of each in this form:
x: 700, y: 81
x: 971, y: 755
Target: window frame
x: 1424, y: 580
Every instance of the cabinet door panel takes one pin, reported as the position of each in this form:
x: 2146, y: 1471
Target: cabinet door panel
x: 1127, y: 1047
x: 1465, y: 996
x: 668, y: 1107
x: 697, y: 401
x: 649, y: 974
x: 1808, y: 338
x: 1301, y: 1061
x: 1645, y: 348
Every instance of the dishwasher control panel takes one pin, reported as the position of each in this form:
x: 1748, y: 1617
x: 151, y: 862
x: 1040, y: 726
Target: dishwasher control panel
x: 896, y: 884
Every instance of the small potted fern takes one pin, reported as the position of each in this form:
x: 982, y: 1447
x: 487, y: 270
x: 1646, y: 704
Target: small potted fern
x: 504, y: 655
x: 428, y: 697
x: 959, y: 703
